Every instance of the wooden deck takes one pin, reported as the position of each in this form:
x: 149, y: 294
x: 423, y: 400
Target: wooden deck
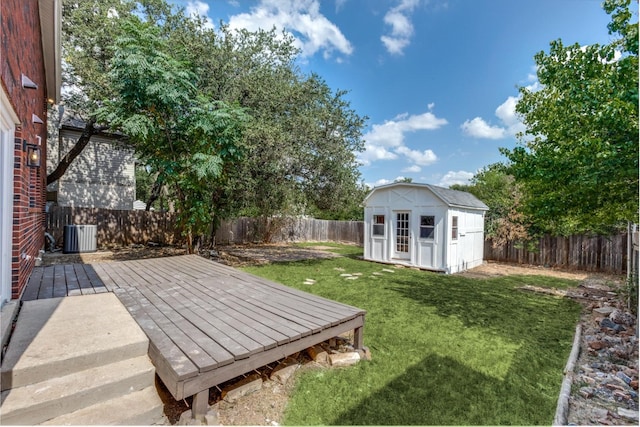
x: 206, y: 322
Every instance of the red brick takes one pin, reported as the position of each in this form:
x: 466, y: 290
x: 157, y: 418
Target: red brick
x: 22, y: 54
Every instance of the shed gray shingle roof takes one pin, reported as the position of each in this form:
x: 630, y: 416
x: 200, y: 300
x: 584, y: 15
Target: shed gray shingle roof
x: 453, y: 198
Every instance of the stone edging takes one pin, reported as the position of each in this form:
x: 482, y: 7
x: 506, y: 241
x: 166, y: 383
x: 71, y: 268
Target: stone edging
x: 562, y: 410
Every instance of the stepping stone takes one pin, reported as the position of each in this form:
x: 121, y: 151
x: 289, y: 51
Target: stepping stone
x: 376, y: 273
x: 346, y: 275
x: 387, y: 270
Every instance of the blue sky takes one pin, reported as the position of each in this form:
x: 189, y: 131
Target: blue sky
x: 437, y: 78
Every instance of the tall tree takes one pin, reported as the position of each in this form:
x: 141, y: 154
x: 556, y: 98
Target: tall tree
x: 88, y: 30
x: 180, y: 134
x: 499, y: 191
x: 303, y: 140
x: 578, y: 163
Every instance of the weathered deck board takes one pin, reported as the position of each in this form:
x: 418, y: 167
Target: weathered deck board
x: 206, y: 322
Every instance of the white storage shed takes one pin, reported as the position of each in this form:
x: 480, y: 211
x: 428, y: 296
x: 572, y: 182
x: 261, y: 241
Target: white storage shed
x: 425, y: 226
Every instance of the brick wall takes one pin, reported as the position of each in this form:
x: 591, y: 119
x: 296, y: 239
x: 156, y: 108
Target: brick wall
x: 22, y: 54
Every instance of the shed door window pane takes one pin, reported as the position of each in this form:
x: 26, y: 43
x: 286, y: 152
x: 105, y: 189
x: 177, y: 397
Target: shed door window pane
x: 378, y: 225
x: 454, y: 227
x: 402, y: 232
x: 427, y: 226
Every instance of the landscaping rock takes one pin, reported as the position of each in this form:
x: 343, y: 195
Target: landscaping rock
x: 586, y: 392
x: 607, y: 373
x: 605, y: 310
x: 624, y: 377
x: 246, y: 386
x: 621, y: 318
x: 629, y: 414
x: 318, y: 354
x: 285, y: 370
x: 344, y: 359
x: 598, y: 345
x: 610, y: 324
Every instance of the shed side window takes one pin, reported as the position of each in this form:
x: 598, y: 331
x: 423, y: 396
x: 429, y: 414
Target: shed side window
x: 427, y: 226
x: 454, y: 227
x: 378, y: 225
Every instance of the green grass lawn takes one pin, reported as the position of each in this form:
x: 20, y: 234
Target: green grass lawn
x: 446, y: 349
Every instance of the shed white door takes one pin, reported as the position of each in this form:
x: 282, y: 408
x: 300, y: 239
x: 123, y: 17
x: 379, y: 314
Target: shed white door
x: 402, y: 236
x: 427, y: 241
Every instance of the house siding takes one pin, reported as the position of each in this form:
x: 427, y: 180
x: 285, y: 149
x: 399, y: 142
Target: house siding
x: 22, y: 53
x: 102, y: 176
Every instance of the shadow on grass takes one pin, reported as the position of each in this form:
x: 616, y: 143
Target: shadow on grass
x: 446, y: 349
x: 494, y: 304
x: 455, y: 394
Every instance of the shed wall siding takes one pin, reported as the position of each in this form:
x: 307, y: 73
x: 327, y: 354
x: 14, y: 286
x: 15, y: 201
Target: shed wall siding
x: 438, y: 253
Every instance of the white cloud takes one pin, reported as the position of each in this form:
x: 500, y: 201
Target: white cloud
x: 398, y: 18
x: 201, y: 9
x: 509, y: 119
x: 374, y: 152
x: 478, y: 128
x: 421, y: 158
x: 412, y: 169
x: 385, y: 141
x: 453, y: 177
x: 312, y: 31
x: 506, y: 112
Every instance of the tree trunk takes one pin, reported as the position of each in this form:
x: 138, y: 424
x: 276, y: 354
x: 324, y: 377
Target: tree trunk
x: 65, y: 162
x: 155, y: 192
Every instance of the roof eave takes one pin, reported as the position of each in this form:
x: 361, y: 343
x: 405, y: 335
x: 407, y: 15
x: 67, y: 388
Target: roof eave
x: 51, y: 28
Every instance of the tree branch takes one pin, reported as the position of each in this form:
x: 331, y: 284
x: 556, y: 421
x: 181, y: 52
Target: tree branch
x: 89, y: 130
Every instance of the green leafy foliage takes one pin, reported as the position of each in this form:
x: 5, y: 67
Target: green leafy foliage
x: 499, y: 191
x: 578, y: 163
x: 299, y: 154
x: 180, y: 135
x: 303, y: 139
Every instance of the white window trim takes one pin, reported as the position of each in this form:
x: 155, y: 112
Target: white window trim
x: 8, y: 121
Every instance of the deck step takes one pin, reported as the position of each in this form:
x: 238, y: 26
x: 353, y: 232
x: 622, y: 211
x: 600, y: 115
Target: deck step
x: 60, y: 336
x: 143, y: 407
x: 37, y: 403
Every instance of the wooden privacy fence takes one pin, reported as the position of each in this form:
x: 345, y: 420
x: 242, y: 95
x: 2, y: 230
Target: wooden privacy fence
x: 116, y: 227
x: 125, y: 227
x: 599, y: 253
x: 248, y: 230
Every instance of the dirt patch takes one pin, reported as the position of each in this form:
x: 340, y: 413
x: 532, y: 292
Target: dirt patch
x: 265, y: 254
x: 120, y: 253
x: 494, y: 269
